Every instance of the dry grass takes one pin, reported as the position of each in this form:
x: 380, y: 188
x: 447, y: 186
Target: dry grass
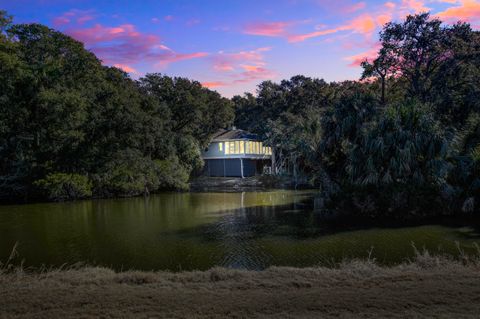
x: 426, y: 287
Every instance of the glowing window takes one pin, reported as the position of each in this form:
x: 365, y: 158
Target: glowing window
x: 220, y: 147
x: 237, y: 147
x: 242, y: 147
x: 227, y: 149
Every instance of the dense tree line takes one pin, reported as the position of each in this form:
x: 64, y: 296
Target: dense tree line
x: 404, y: 140
x: 72, y: 128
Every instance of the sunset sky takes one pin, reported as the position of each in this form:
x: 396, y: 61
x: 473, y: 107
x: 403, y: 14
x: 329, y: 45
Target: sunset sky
x: 233, y: 45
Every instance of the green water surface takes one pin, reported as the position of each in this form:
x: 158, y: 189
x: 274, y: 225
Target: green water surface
x: 187, y: 231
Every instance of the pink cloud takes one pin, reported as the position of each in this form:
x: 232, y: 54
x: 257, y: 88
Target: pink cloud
x: 389, y: 5
x: 466, y: 10
x: 85, y: 18
x: 342, y: 6
x: 357, y: 59
x: 171, y: 57
x: 168, y: 18
x: 363, y: 24
x: 383, y: 19
x: 241, y: 67
x: 367, y: 23
x: 306, y: 36
x: 252, y: 68
x: 74, y: 15
x: 229, y: 62
x: 214, y: 84
x: 354, y: 7
x: 126, y: 68
x: 59, y: 21
x: 124, y: 45
x: 413, y: 6
x: 254, y: 74
x: 269, y: 29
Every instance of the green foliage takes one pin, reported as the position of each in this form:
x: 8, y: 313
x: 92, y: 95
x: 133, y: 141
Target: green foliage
x: 127, y: 173
x: 195, y: 110
x: 171, y: 174
x: 403, y: 141
x: 62, y: 111
x: 465, y: 175
x: 287, y: 116
x: 405, y: 147
x: 131, y: 174
x: 404, y: 156
x: 343, y: 125
x: 61, y: 186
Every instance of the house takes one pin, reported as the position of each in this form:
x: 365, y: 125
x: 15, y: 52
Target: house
x: 236, y: 153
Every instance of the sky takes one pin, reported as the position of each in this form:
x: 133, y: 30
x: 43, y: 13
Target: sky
x: 233, y: 45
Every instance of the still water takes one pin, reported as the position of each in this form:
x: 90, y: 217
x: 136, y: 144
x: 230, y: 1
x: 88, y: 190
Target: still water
x: 186, y: 231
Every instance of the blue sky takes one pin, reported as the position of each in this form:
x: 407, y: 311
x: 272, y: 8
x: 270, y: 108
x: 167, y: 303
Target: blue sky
x: 231, y: 46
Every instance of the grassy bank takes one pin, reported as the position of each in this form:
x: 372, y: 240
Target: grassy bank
x: 426, y: 287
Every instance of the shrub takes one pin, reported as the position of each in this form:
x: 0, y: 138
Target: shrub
x: 171, y: 174
x: 402, y: 156
x: 128, y: 173
x: 62, y: 186
x: 131, y: 174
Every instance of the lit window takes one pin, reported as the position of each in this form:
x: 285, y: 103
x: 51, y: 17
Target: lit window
x: 249, y: 147
x: 242, y: 147
x: 227, y: 149
x: 220, y: 146
x: 232, y: 147
x: 237, y: 147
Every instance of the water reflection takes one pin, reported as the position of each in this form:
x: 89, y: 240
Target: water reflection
x: 184, y: 231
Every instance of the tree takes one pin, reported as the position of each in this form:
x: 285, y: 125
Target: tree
x: 194, y: 109
x: 64, y: 115
x: 403, y: 155
x: 343, y: 124
x: 413, y: 52
x: 383, y: 67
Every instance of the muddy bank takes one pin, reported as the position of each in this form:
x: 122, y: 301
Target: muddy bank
x: 426, y: 288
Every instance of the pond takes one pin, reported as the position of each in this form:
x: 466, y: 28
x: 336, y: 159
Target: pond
x: 197, y: 231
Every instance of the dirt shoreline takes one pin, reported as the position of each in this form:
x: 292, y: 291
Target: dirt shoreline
x: 428, y: 287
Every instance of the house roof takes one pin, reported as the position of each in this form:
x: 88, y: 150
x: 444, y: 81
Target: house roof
x: 234, y: 134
